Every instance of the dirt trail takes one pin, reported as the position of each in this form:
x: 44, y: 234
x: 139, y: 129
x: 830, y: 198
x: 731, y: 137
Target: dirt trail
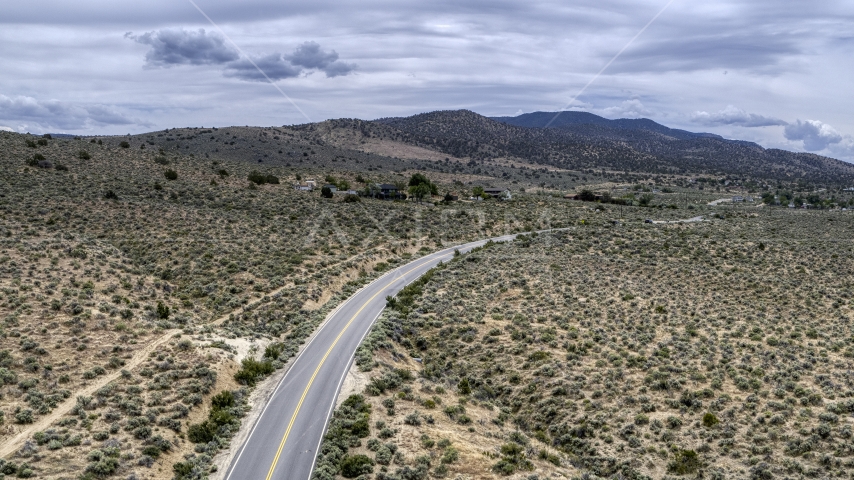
x: 12, y: 446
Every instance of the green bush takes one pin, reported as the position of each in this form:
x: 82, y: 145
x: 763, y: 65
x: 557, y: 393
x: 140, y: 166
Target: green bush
x: 170, y: 175
x: 260, y: 179
x: 710, y: 420
x: 685, y: 463
x: 124, y: 144
x: 353, y: 466
x: 464, y: 387
x: 83, y: 155
x: 252, y: 370
x: 162, y: 311
x: 161, y: 160
x: 182, y: 469
x: 201, y: 432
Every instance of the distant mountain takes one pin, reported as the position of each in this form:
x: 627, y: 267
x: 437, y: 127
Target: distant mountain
x: 583, y: 141
x: 571, y: 120
x: 581, y: 121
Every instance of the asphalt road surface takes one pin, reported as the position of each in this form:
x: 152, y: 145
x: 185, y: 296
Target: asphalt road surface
x: 283, y: 442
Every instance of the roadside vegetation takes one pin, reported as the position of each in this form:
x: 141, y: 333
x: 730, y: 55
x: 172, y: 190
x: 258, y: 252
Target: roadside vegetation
x: 636, y: 351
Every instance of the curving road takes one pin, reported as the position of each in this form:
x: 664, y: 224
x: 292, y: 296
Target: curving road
x: 283, y: 442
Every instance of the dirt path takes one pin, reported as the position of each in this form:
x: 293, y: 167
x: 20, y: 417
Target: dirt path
x: 11, y: 446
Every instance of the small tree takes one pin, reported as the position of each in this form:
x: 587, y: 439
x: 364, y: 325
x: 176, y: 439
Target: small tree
x: 419, y: 191
x: 420, y: 179
x: 170, y: 175
x: 586, y: 195
x: 464, y: 387
x: 162, y: 311
x: 124, y: 144
x: 326, y: 192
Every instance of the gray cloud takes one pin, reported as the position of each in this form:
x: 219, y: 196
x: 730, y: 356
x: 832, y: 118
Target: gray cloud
x: 735, y: 116
x: 41, y: 115
x: 180, y: 47
x: 815, y: 134
x: 310, y: 55
x: 273, y: 65
x: 752, y: 51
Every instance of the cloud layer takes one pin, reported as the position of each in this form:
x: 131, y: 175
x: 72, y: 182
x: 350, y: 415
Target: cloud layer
x: 181, y: 47
x: 816, y: 135
x: 28, y: 113
x: 735, y: 116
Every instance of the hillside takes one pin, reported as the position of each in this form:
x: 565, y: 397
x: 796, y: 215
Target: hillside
x: 630, y: 146
x: 567, y: 120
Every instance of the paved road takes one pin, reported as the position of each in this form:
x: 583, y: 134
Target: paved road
x: 284, y: 441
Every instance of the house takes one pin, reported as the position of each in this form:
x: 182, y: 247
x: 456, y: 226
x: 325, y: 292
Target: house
x: 332, y: 188
x: 311, y: 183
x: 737, y: 199
x: 350, y: 192
x: 499, y: 193
x: 748, y: 199
x: 303, y: 187
x: 384, y: 191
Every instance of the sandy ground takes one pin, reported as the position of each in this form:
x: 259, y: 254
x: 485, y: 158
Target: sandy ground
x: 355, y: 382
x: 9, y: 447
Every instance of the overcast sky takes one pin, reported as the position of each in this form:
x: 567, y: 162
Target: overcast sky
x: 774, y: 71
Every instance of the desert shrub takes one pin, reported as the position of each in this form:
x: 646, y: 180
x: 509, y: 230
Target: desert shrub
x: 512, y: 459
x: 83, y: 155
x: 260, y: 178
x: 182, y: 469
x: 710, y: 420
x: 7, y: 377
x: 161, y: 160
x: 252, y: 370
x: 355, y: 465
x: 463, y: 387
x: 274, y: 350
x: 201, y: 432
x: 124, y: 144
x: 23, y: 415
x: 413, y: 419
x: 352, y: 199
x: 104, y: 463
x: 111, y: 195
x: 162, y: 311
x: 170, y: 174
x: 685, y: 462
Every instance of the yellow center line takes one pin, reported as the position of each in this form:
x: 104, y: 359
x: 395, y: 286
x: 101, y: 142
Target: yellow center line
x: 322, y: 360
